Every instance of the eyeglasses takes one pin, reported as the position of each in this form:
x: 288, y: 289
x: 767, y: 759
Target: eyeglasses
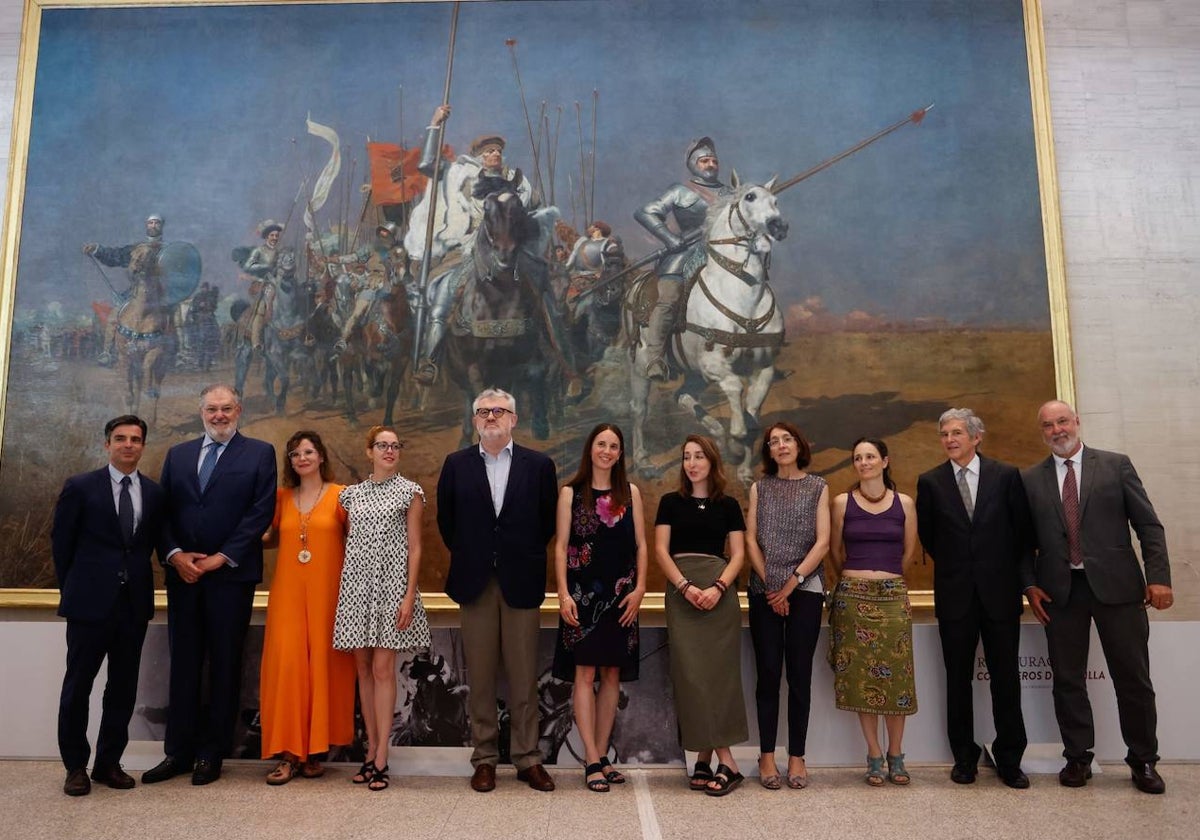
x: 485, y: 413
x: 775, y: 443
x: 299, y: 453
x: 386, y: 446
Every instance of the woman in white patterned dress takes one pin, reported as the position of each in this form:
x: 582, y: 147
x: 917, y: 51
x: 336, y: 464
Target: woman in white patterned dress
x: 379, y: 609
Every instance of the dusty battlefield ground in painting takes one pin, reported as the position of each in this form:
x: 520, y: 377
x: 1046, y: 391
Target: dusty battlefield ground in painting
x: 840, y: 385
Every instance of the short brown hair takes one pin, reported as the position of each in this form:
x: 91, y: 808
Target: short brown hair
x: 803, y: 447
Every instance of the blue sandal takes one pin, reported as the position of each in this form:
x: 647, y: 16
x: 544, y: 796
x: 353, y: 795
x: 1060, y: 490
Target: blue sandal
x: 897, y: 775
x: 595, y: 785
x: 874, y: 775
x: 611, y: 774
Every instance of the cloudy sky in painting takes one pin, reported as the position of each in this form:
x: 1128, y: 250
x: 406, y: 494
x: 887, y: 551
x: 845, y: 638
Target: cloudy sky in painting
x: 198, y: 114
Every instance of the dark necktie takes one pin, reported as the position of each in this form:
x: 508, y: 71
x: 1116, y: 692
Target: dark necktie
x: 125, y: 510
x: 964, y: 490
x: 1070, y: 501
x: 208, y: 464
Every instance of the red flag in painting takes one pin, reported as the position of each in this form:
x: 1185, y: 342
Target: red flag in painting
x: 388, y: 161
x: 102, y: 311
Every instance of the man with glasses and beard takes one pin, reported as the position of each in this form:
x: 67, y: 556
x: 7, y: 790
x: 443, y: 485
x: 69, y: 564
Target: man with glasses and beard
x: 496, y: 506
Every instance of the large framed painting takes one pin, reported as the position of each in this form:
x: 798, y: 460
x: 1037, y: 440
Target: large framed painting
x: 235, y: 192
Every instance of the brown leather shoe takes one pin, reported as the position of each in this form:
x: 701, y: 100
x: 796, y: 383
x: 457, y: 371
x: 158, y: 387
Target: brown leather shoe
x: 484, y: 778
x: 536, y: 777
x: 77, y: 783
x: 1075, y: 774
x: 1146, y: 778
x: 113, y: 776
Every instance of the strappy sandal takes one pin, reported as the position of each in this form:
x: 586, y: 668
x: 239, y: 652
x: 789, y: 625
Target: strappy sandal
x: 611, y: 774
x: 363, y: 776
x: 874, y: 775
x: 283, y: 773
x: 897, y: 774
x: 379, y: 779
x: 702, y: 774
x: 724, y: 782
x: 312, y: 769
x: 595, y: 785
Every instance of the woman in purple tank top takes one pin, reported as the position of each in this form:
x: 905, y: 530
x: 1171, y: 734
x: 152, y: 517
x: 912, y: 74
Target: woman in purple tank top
x: 870, y: 621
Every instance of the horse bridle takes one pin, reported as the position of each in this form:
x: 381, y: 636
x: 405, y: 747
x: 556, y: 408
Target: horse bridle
x: 743, y: 241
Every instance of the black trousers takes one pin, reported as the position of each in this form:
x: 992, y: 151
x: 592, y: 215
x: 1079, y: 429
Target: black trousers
x: 118, y: 637
x: 1001, y: 645
x: 1124, y: 631
x: 206, y: 622
x: 780, y: 640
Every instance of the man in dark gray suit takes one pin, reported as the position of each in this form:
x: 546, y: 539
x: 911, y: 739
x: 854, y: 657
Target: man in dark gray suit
x: 1084, y: 502
x: 973, y: 520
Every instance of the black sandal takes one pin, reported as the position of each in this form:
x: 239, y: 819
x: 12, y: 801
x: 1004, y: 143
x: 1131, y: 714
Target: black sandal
x: 379, y: 779
x: 364, y: 773
x: 702, y: 774
x: 595, y: 785
x: 725, y: 780
x: 611, y: 774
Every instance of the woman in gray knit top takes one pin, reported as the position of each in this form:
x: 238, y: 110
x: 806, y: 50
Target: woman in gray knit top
x: 787, y: 536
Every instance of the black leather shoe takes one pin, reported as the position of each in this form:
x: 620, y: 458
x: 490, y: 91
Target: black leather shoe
x: 963, y: 774
x: 1014, y: 777
x: 1146, y: 778
x: 77, y: 783
x: 168, y: 768
x: 206, y: 772
x: 113, y: 776
x: 1075, y: 774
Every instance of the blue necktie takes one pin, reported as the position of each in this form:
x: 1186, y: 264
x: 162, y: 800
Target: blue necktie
x: 125, y: 511
x: 209, y: 464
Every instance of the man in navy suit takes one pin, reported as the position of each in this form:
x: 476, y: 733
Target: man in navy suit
x: 496, y: 505
x: 220, y: 491
x: 106, y: 524
x: 974, y: 521
x: 1084, y: 503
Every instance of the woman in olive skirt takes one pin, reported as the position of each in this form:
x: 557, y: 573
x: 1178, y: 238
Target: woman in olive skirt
x: 699, y: 541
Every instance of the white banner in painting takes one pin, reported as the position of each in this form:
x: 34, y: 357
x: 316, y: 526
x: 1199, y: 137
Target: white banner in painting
x: 321, y: 189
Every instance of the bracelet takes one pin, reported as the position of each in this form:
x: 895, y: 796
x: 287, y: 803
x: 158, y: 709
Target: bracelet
x: 720, y: 584
x: 682, y: 586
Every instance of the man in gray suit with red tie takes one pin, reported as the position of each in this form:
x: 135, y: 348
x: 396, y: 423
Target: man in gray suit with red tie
x: 220, y: 499
x: 973, y: 520
x: 106, y: 525
x: 1084, y: 502
x: 496, y: 505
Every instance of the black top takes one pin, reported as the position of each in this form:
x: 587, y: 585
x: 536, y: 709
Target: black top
x: 696, y: 529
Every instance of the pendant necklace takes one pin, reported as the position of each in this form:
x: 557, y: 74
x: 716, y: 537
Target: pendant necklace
x: 701, y: 502
x: 304, y: 556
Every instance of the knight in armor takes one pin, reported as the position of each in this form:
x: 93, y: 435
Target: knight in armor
x: 261, y: 265
x: 380, y: 279
x: 687, y: 203
x: 488, y: 174
x: 594, y: 253
x: 141, y: 260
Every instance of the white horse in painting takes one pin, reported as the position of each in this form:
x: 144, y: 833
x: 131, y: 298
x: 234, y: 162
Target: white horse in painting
x: 731, y: 329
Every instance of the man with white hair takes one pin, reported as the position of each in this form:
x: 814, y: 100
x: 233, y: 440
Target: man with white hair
x: 974, y: 521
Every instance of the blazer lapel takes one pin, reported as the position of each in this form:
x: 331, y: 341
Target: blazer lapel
x: 1050, y: 487
x: 105, y: 496
x: 231, y: 448
x: 516, y: 474
x: 478, y: 475
x: 987, y: 485
x: 948, y: 476
x: 1089, y: 464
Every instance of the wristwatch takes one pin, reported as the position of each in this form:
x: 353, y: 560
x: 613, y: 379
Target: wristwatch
x: 796, y: 574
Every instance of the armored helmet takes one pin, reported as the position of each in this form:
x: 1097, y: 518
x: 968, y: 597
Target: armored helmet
x: 704, y: 147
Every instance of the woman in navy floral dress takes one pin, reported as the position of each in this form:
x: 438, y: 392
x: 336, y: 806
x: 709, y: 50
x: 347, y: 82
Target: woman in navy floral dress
x: 600, y: 564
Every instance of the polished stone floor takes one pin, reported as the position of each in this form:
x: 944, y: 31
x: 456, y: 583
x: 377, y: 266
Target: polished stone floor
x: 654, y: 804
